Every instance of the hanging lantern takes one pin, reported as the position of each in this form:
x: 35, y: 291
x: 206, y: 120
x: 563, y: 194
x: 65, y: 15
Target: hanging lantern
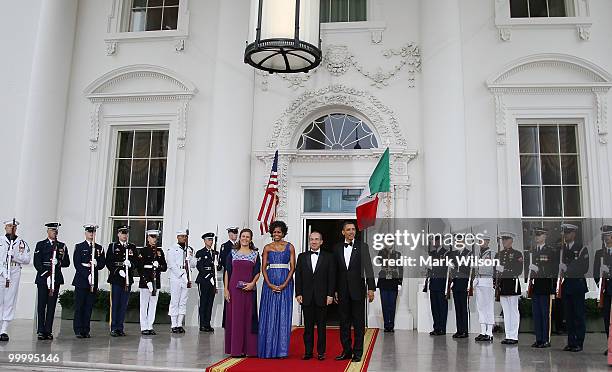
x: 284, y: 36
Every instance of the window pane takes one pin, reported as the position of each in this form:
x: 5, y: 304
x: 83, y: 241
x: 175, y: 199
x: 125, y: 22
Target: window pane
x: 139, y: 3
x: 122, y: 171
x: 138, y: 202
x: 157, y: 176
x: 548, y: 139
x: 156, y: 202
x: 556, y: 8
x: 142, y: 144
x: 116, y: 225
x: 531, y: 201
x: 567, y: 139
x: 551, y: 172
x: 156, y: 3
x: 552, y: 201
x: 154, y: 17
x: 569, y: 166
x: 171, y: 2
x: 331, y: 200
x: 357, y: 10
x: 159, y: 146
x: 125, y: 144
x: 139, y: 20
x: 140, y: 171
x: 537, y: 8
x: 170, y: 18
x: 518, y: 9
x: 137, y: 232
x: 339, y: 10
x: 120, y: 204
x: 571, y: 201
x: 324, y: 11
x: 530, y: 170
x: 528, y: 139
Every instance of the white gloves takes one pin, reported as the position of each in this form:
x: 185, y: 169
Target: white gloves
x: 399, y: 287
x: 451, y: 264
x: 155, y: 264
x: 49, y: 281
x: 500, y: 268
x: 122, y: 273
x: 90, y: 279
x: 562, y: 267
x: 150, y: 286
x: 184, y: 279
x: 128, y: 264
x: 86, y: 264
x: 605, y: 269
x: 54, y: 262
x: 534, y: 268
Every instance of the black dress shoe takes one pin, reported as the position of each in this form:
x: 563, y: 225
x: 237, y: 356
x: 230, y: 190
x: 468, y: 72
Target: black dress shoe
x: 543, y: 345
x: 433, y: 333
x: 40, y: 336
x: 479, y: 337
x: 181, y: 330
x: 576, y: 349
x: 4, y: 337
x: 145, y: 332
x: 344, y: 356
x: 512, y: 342
x: 321, y: 357
x: 115, y: 333
x: 567, y: 348
x: 152, y: 332
x: 460, y: 335
x: 86, y: 335
x: 202, y: 329
x: 209, y: 329
x: 80, y: 335
x: 307, y: 357
x: 535, y: 344
x: 121, y: 332
x: 356, y: 359
x: 440, y: 333
x: 49, y: 336
x: 605, y: 352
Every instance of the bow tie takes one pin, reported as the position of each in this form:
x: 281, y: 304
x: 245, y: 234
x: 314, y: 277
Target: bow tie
x: 348, y: 244
x: 313, y: 252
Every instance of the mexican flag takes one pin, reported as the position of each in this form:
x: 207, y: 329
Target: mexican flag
x: 369, y: 205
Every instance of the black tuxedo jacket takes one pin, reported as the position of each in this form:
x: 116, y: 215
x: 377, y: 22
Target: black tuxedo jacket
x: 314, y: 284
x: 351, y: 283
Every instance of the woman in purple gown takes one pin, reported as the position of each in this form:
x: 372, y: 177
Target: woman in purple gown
x: 276, y: 307
x: 242, y: 270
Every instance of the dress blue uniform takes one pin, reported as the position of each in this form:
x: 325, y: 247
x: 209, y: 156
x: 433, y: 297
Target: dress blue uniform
x: 85, y: 282
x: 118, y: 256
x: 576, y: 264
x: 601, y: 274
x: 437, y: 287
x: 461, y: 274
x: 45, y: 269
x: 389, y: 282
x: 207, y: 283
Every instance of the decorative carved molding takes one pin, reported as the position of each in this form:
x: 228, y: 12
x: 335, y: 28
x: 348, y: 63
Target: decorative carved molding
x: 505, y: 33
x: 179, y: 45
x: 584, y: 32
x: 601, y: 117
x: 338, y: 59
x: 500, y: 119
x: 111, y: 48
x: 264, y: 80
x: 94, y: 126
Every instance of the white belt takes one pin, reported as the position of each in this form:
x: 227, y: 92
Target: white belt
x: 148, y: 266
x: 279, y: 266
x: 15, y: 264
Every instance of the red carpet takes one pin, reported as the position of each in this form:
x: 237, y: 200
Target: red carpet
x: 294, y: 361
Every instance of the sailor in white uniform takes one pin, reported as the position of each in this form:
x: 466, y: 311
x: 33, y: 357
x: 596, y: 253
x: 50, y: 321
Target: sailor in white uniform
x: 14, y: 252
x: 485, y: 294
x: 180, y: 259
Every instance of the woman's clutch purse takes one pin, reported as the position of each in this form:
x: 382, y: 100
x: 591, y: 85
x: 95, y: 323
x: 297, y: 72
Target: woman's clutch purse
x: 241, y: 284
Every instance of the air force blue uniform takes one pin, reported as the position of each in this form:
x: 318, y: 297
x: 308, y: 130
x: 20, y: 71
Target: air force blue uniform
x: 437, y: 287
x: 206, y: 284
x: 84, y: 296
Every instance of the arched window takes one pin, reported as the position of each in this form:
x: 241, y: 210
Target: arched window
x: 337, y: 132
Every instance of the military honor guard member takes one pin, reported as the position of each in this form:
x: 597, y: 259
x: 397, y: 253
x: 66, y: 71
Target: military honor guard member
x: 50, y: 256
x: 601, y: 274
x: 315, y: 282
x: 389, y: 284
x: 207, y: 283
x: 460, y: 282
x: 226, y: 248
x: 437, y: 287
x: 542, y: 262
x: 180, y: 261
x: 574, y: 264
x: 484, y: 292
x: 151, y: 263
x: 508, y: 271
x: 88, y: 258
x: 120, y: 261
x: 14, y: 252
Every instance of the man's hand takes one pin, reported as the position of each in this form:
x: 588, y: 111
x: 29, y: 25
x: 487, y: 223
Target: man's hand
x: 150, y: 286
x: 605, y: 269
x: 122, y: 273
x: 155, y: 264
x: 370, y: 295
x: 399, y: 287
x: 563, y: 267
x: 534, y: 268
x: 330, y: 300
x: 128, y: 264
x: 299, y: 299
x: 336, y: 297
x: 500, y: 268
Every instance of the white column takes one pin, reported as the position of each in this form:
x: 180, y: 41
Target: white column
x: 444, y: 150
x: 39, y: 175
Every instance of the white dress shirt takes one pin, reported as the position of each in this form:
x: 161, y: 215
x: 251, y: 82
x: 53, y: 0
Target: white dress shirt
x: 347, y: 253
x: 314, y: 258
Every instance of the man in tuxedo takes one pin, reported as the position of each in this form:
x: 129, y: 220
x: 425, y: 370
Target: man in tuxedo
x: 315, y: 282
x: 354, y: 272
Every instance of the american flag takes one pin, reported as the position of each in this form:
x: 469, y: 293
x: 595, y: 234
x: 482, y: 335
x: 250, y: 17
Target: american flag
x: 267, y: 212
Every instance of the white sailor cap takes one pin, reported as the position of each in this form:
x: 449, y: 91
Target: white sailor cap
x: 180, y: 232
x: 153, y: 232
x: 568, y: 227
x: 507, y: 235
x: 485, y: 236
x: 10, y: 222
x: 90, y: 227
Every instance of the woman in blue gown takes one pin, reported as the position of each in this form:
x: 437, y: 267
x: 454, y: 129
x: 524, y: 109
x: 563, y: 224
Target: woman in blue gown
x: 276, y: 306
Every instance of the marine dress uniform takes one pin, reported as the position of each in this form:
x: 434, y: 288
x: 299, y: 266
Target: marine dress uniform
x: 151, y: 263
x: 509, y: 270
